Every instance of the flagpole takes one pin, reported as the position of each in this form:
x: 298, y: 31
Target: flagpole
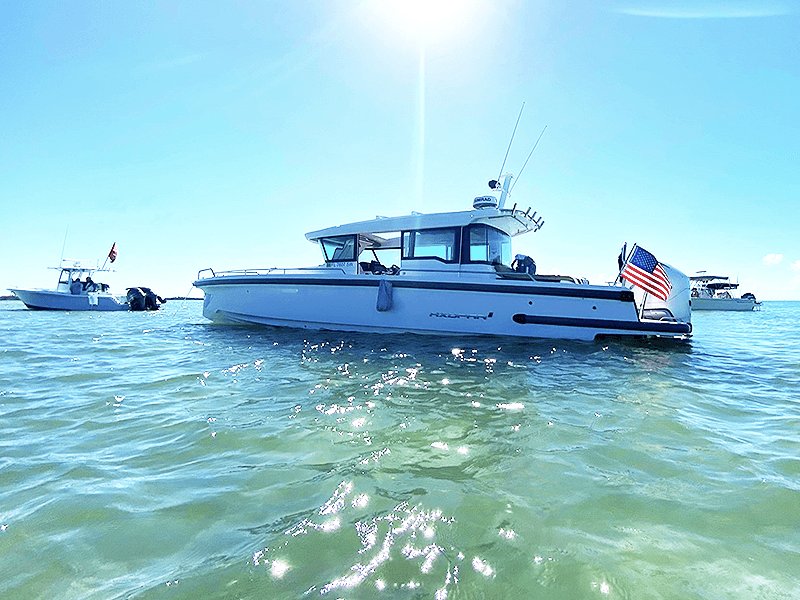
x: 644, y: 300
x: 105, y: 262
x: 644, y: 296
x: 624, y: 262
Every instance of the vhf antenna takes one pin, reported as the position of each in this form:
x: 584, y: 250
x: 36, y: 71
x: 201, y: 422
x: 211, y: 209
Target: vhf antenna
x: 527, y: 159
x: 509, y: 143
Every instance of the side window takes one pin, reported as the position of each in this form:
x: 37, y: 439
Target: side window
x: 341, y: 248
x: 488, y: 245
x: 441, y: 244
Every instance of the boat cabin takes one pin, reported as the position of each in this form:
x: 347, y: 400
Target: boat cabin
x: 479, y: 239
x: 711, y: 286
x: 75, y: 279
x: 438, y: 248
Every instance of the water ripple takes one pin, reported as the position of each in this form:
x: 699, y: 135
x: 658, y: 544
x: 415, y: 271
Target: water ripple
x: 156, y: 455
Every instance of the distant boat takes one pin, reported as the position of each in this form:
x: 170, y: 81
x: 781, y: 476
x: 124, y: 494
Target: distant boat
x: 77, y: 291
x: 715, y: 292
x: 454, y: 275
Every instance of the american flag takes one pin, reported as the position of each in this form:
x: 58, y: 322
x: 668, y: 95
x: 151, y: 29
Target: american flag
x: 112, y: 254
x: 643, y: 270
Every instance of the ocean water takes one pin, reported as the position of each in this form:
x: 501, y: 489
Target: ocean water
x: 155, y: 455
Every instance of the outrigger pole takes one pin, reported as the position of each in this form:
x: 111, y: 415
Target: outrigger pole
x: 527, y: 159
x: 503, y: 166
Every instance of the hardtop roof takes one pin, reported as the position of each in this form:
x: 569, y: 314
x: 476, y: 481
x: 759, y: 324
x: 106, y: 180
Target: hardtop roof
x: 511, y: 221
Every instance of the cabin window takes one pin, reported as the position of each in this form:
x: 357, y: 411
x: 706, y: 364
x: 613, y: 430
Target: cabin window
x: 488, y: 245
x: 340, y: 248
x: 441, y: 244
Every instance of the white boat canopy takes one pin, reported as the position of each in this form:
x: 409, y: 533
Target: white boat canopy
x: 511, y: 221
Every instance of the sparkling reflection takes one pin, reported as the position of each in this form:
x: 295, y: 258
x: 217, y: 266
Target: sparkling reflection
x: 482, y: 567
x: 279, y: 568
x: 404, y: 532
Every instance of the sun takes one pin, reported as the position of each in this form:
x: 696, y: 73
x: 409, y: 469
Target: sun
x: 428, y: 20
x: 424, y: 25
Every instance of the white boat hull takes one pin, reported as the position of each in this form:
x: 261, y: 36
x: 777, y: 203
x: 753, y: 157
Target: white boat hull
x: 449, y: 306
x: 737, y: 304
x: 53, y: 300
x: 455, y: 276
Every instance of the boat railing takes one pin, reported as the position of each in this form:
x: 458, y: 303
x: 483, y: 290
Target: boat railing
x: 209, y: 272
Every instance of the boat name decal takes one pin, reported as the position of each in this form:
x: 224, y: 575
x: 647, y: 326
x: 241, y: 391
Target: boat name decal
x: 460, y: 316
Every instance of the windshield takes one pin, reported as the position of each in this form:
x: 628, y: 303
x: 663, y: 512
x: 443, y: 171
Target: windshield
x: 339, y: 248
x: 489, y: 245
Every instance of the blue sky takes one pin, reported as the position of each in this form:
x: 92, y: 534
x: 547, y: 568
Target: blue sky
x: 213, y: 134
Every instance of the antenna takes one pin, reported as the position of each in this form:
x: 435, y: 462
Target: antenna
x: 499, y: 175
x: 527, y: 159
x: 63, y: 246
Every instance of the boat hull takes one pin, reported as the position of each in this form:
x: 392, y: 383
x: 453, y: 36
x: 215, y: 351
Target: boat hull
x: 446, y: 307
x: 736, y: 304
x: 51, y: 300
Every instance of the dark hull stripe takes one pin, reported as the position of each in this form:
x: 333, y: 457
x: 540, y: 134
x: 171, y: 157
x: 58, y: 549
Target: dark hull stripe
x: 643, y: 326
x: 567, y: 291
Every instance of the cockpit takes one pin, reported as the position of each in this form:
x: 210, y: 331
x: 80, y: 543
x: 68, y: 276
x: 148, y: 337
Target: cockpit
x: 476, y: 243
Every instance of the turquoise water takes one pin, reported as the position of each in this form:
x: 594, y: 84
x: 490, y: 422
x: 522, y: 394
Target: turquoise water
x: 160, y: 456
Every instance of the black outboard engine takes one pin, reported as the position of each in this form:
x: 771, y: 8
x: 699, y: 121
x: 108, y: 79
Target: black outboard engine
x: 136, y: 299
x: 142, y: 298
x: 151, y: 300
x: 524, y: 264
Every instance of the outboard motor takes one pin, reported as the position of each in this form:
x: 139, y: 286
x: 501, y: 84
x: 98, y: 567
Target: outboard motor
x: 524, y: 264
x: 151, y: 300
x: 136, y: 299
x: 142, y: 298
x: 679, y: 301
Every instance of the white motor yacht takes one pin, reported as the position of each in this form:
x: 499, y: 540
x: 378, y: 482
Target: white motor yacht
x: 715, y: 292
x: 75, y: 291
x: 449, y: 273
